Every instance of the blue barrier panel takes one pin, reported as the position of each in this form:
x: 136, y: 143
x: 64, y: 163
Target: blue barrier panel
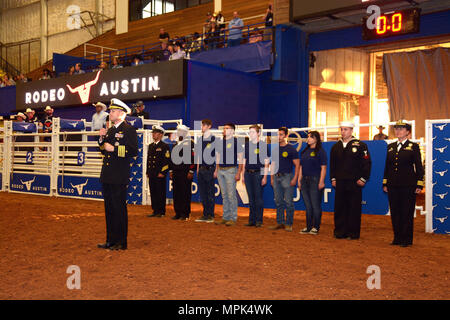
x: 441, y: 180
x: 66, y: 124
x: 135, y: 185
x: 24, y: 127
x: 32, y: 183
x: 136, y: 122
x: 76, y: 186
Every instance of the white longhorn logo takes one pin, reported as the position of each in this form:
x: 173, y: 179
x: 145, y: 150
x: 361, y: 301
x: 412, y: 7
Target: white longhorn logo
x: 139, y: 179
x: 448, y: 139
x: 73, y: 124
x: 26, y: 126
x: 442, y: 195
x: 28, y: 183
x: 130, y: 193
x: 441, y: 127
x: 79, y: 187
x: 441, y: 150
x: 447, y: 161
x: 447, y: 185
x: 441, y: 173
x: 132, y: 122
x: 441, y: 220
x: 139, y: 195
x: 84, y: 90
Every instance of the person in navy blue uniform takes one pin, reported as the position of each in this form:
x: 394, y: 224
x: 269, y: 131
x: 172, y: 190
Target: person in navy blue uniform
x: 350, y: 166
x: 283, y: 180
x: 205, y: 157
x: 403, y: 180
x: 311, y: 181
x: 256, y: 168
x: 182, y: 172
x: 118, y: 145
x: 158, y: 160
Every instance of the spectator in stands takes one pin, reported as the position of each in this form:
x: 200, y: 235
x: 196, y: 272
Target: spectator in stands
x: 47, y: 119
x: 22, y: 78
x: 137, y: 61
x: 220, y: 20
x: 71, y: 70
x: 99, y: 117
x: 211, y: 36
x: 30, y: 115
x: 45, y: 74
x: 78, y: 69
x: 163, y: 36
x: 208, y: 20
x: 138, y: 111
x: 102, y: 66
x: 6, y: 81
x: 235, y: 32
x: 268, y: 23
x: 164, y: 54
x: 179, y: 53
x: 115, y: 63
x: 20, y: 117
x: 255, y: 36
x: 380, y: 135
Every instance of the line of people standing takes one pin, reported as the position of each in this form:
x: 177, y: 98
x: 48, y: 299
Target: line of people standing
x: 230, y: 160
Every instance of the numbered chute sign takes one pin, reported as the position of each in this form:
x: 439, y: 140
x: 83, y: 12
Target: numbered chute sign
x: 81, y: 158
x: 29, y: 158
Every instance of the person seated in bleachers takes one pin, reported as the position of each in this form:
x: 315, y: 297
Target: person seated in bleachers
x: 115, y: 63
x: 137, y: 61
x: 212, y: 36
x: 22, y: 78
x: 7, y: 81
x: 102, y: 66
x: 71, y: 70
x: 255, y: 36
x: 78, y: 69
x: 163, y: 54
x: 179, y: 53
x: 45, y: 74
x: 235, y: 32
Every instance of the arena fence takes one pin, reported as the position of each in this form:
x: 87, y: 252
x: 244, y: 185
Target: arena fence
x: 67, y: 163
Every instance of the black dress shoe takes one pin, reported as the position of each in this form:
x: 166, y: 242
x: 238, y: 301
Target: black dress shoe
x: 118, y: 247
x: 105, y: 245
x: 175, y: 218
x: 250, y: 225
x: 152, y: 215
x: 395, y: 243
x: 404, y: 245
x: 258, y: 224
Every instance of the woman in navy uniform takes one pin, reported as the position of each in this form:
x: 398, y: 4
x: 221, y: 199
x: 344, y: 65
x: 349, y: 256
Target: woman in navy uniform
x: 118, y: 145
x: 158, y: 161
x: 350, y: 166
x: 403, y: 179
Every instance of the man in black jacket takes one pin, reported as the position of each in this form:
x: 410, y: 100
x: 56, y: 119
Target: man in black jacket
x: 158, y: 160
x: 349, y: 171
x: 182, y: 172
x: 118, y: 145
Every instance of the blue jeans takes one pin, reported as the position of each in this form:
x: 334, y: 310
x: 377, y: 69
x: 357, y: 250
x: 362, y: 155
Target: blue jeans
x: 284, y: 198
x: 227, y: 183
x: 255, y: 196
x: 313, y: 201
x: 207, y: 190
x: 234, y: 42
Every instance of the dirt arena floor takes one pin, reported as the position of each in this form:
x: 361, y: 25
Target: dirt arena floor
x: 40, y: 237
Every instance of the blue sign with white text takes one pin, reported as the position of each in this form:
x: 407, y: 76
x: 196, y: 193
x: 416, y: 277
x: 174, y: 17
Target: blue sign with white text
x: 32, y: 183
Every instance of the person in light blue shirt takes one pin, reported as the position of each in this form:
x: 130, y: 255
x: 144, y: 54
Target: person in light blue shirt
x: 235, y: 32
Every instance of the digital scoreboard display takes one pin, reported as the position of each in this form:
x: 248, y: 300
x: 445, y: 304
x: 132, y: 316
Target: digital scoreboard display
x: 393, y: 24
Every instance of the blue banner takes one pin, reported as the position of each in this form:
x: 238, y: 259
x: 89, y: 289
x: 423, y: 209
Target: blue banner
x: 441, y: 178
x: 135, y: 122
x: 135, y: 186
x: 374, y: 199
x: 76, y: 186
x: 66, y: 124
x: 24, y: 127
x: 32, y: 183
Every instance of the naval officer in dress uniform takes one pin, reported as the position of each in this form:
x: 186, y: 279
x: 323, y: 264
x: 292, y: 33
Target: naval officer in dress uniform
x: 403, y: 179
x: 158, y: 160
x: 182, y: 172
x: 350, y: 166
x: 118, y: 145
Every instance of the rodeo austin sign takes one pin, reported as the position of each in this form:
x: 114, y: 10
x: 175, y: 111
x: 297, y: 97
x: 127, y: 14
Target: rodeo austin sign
x: 165, y: 79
